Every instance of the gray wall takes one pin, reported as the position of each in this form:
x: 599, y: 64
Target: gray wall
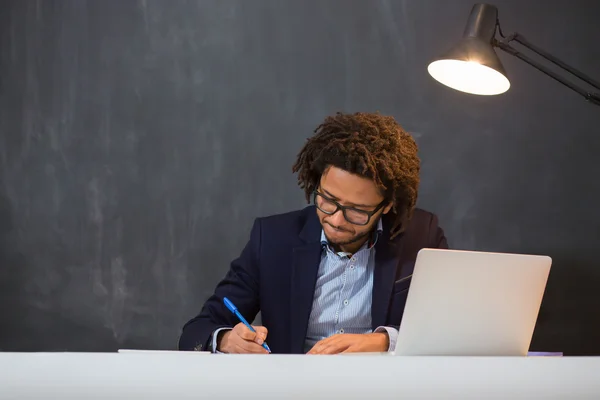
x: 139, y: 139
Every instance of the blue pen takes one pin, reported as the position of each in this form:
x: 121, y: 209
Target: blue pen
x: 234, y: 310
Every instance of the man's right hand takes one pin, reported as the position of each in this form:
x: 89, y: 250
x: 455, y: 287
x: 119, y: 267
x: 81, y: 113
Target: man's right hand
x: 241, y: 340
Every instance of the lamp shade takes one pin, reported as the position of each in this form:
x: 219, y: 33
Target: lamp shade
x: 472, y: 65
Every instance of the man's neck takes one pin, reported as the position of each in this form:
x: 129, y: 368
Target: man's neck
x: 352, y: 248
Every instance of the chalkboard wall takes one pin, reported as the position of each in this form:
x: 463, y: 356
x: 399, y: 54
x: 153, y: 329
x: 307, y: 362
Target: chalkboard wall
x: 139, y: 140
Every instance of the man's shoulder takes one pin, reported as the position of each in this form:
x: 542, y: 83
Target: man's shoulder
x: 421, y: 216
x: 420, y: 224
x: 424, y: 231
x: 291, y: 222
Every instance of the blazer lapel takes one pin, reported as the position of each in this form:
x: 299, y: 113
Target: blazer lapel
x: 305, y: 266
x: 387, y: 258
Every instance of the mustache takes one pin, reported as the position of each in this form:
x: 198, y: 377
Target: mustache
x: 337, y: 227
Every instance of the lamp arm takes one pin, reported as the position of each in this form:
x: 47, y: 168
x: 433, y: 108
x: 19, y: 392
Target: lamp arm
x: 503, y: 45
x: 517, y: 37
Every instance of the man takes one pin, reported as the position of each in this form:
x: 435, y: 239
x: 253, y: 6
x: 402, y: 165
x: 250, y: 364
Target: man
x: 332, y: 277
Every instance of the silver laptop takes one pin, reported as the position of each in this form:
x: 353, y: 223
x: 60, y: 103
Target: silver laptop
x: 467, y: 303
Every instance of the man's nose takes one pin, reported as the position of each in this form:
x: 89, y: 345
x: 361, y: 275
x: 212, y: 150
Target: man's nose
x: 337, y: 219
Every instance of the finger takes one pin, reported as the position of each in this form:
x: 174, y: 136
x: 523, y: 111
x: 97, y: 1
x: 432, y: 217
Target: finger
x: 261, y: 334
x: 330, y: 347
x: 251, y: 348
x: 261, y: 330
x: 316, y: 348
x: 333, y: 345
x: 242, y: 331
x: 237, y: 349
x: 321, y: 344
x: 335, y: 348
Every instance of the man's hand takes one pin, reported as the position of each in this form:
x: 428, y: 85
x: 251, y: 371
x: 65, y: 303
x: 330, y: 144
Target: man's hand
x: 351, y: 343
x: 241, y: 340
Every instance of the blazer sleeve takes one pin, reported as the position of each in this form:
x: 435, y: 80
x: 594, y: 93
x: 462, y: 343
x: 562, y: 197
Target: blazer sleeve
x: 240, y: 285
x: 437, y: 238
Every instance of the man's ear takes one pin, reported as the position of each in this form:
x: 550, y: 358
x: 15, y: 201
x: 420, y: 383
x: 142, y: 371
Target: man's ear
x: 387, y: 208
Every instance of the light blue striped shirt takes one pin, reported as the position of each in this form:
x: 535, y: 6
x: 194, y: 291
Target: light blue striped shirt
x: 343, y: 294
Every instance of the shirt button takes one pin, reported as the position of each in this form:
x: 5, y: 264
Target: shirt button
x: 353, y: 258
x: 342, y: 330
x: 346, y: 302
x: 351, y: 266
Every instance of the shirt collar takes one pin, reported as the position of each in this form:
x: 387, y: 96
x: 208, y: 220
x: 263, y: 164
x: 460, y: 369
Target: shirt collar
x: 372, y: 240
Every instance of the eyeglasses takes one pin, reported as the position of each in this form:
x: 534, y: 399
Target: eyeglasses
x: 351, y: 214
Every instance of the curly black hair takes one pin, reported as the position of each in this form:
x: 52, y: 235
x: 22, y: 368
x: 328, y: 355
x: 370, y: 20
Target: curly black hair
x: 370, y: 145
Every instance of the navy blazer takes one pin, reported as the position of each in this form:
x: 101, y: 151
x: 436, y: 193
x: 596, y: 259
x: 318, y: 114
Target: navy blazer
x: 277, y: 271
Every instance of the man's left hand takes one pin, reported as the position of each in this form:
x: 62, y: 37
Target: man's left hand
x: 352, y: 343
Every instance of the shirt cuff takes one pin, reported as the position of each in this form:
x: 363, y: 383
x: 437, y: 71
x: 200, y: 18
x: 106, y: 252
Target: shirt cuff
x: 215, y: 335
x: 392, y: 335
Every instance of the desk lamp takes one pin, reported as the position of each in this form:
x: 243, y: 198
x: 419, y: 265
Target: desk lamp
x: 472, y: 66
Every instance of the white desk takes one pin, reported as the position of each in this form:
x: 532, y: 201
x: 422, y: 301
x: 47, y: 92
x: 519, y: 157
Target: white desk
x: 175, y: 376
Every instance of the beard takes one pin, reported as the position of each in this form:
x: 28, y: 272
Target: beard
x: 357, y: 237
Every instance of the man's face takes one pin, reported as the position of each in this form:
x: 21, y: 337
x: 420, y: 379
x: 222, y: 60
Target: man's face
x: 349, y: 190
